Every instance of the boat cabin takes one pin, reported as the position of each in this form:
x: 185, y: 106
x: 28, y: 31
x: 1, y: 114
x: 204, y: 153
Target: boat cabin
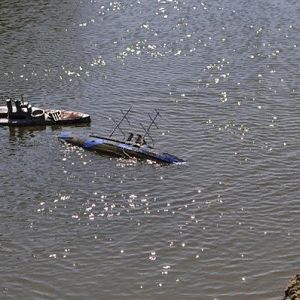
x: 22, y: 110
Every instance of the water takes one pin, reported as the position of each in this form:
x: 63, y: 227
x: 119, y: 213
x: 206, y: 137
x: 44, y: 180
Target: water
x: 225, y: 76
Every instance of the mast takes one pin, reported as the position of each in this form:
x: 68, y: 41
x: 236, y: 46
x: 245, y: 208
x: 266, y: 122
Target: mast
x: 152, y: 122
x: 119, y: 123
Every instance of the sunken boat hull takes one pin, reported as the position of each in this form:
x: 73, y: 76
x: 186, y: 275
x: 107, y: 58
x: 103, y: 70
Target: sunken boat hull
x: 119, y: 148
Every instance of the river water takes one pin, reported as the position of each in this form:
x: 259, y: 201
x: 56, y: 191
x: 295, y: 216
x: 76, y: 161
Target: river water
x: 225, y: 76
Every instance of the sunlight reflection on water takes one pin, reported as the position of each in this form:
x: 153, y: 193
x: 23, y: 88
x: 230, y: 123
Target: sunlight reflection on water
x: 224, y: 76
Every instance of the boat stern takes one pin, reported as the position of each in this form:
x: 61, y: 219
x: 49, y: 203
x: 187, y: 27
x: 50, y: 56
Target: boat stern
x: 65, y: 136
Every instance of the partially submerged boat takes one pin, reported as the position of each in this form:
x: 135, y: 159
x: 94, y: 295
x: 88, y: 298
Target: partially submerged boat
x: 128, y: 147
x: 20, y: 113
x: 119, y: 148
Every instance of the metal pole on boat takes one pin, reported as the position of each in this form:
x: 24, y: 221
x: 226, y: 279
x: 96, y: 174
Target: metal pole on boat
x: 29, y: 110
x: 123, y: 118
x: 9, y: 108
x: 151, y: 123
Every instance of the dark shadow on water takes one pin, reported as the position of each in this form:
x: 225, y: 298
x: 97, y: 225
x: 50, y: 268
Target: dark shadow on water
x: 25, y: 132
x: 65, y: 128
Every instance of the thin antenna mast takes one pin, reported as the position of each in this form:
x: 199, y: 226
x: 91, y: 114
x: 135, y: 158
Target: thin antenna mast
x: 153, y: 119
x: 123, y: 118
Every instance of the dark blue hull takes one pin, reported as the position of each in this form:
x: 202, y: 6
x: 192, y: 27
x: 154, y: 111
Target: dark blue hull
x: 119, y: 148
